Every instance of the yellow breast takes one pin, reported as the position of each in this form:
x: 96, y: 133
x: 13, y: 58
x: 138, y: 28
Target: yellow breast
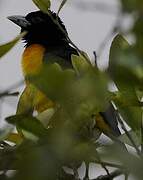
x: 32, y: 59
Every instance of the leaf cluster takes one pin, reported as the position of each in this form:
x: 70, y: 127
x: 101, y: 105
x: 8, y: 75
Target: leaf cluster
x: 67, y: 135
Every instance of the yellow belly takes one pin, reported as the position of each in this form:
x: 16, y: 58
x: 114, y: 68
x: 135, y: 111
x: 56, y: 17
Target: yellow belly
x: 32, y: 61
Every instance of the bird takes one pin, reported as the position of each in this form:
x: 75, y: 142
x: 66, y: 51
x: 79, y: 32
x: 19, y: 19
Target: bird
x: 45, y: 41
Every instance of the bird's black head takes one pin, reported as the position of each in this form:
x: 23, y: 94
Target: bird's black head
x: 41, y: 29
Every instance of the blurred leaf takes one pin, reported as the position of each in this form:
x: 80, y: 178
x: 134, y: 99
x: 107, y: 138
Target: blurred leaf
x: 124, y: 66
x: 85, y: 94
x: 132, y: 5
x: 37, y: 162
x: 137, y: 32
x: 124, y: 138
x: 131, y: 163
x: 83, y: 151
x: 28, y: 123
x: 45, y: 116
x: 61, y: 6
x: 80, y: 64
x: 14, y: 138
x: 43, y: 5
x: 5, y: 131
x: 7, y: 47
x: 127, y: 72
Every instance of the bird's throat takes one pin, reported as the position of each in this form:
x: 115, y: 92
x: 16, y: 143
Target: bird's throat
x: 32, y: 59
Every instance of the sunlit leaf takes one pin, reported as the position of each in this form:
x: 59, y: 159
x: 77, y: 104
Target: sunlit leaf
x: 8, y: 46
x: 43, y: 5
x: 45, y: 116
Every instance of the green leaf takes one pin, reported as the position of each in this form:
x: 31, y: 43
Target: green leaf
x: 28, y: 123
x: 14, y: 138
x: 80, y: 64
x: 45, y: 116
x: 124, y: 138
x: 132, y: 5
x: 43, y: 5
x: 8, y: 46
x: 61, y: 6
x: 85, y: 94
x: 137, y: 32
x: 126, y: 70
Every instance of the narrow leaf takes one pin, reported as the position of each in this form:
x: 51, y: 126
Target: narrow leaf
x: 43, y: 5
x: 80, y: 64
x: 124, y: 138
x: 61, y: 6
x: 28, y: 123
x: 8, y: 46
x: 45, y: 116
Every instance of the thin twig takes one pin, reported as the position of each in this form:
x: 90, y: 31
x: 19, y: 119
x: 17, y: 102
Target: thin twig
x: 126, y: 176
x: 102, y: 164
x: 76, y: 175
x: 112, y: 175
x: 6, y: 93
x: 95, y: 58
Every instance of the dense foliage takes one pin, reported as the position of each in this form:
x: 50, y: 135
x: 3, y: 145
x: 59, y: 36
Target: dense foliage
x: 64, y: 137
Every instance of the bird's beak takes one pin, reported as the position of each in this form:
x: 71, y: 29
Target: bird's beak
x: 20, y: 21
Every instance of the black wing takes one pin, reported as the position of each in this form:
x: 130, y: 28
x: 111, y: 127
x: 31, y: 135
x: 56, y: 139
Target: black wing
x: 61, y: 55
x: 110, y: 117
